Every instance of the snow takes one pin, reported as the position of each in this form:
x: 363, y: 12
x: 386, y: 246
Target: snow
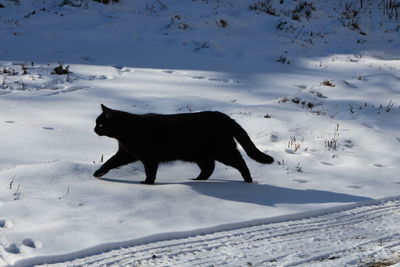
x: 321, y: 98
x: 336, y: 237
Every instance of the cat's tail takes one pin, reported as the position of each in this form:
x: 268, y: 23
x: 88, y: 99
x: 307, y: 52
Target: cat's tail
x: 244, y: 140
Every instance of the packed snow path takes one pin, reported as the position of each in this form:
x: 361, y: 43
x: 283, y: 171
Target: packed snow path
x: 352, y: 236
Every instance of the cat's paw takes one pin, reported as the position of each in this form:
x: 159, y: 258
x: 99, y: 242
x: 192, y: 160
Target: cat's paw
x: 147, y: 182
x: 99, y: 173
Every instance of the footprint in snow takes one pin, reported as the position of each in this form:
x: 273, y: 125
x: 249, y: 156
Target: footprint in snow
x: 9, y: 121
x: 350, y: 85
x: 301, y: 181
x: 168, y: 71
x: 378, y: 165
x: 198, y: 77
x: 5, y: 224
x: 218, y: 80
x: 326, y: 163
x: 274, y: 138
x: 29, y: 243
x: 302, y: 86
x: 12, y: 248
x: 48, y: 128
x: 354, y: 186
x: 100, y: 77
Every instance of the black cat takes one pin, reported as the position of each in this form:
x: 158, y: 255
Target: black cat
x: 201, y: 138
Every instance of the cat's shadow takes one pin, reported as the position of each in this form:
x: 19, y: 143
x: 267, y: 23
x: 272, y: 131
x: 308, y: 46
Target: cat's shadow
x: 262, y: 194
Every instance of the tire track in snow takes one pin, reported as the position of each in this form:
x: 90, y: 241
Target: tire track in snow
x: 351, y: 235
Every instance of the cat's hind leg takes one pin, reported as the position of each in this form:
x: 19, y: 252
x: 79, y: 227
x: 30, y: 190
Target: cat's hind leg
x: 119, y: 159
x: 150, y: 168
x: 234, y: 159
x: 207, y: 168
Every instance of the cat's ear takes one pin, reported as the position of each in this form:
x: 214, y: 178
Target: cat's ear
x: 106, y: 111
x: 104, y: 108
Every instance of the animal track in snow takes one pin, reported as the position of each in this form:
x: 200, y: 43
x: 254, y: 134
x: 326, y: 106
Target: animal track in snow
x: 350, y: 85
x: 302, y: 181
x: 28, y: 243
x: 274, y: 138
x: 198, y: 77
x: 378, y: 165
x: 326, y: 163
x: 5, y: 224
x: 223, y: 80
x: 301, y: 86
x: 218, y: 80
x: 48, y: 128
x: 100, y: 77
x: 168, y: 71
x: 354, y: 186
x: 12, y: 248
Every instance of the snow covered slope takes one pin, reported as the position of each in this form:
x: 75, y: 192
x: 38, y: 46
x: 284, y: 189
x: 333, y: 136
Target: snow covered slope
x: 315, y: 85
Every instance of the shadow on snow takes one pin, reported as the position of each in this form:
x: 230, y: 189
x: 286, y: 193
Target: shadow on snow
x: 261, y: 194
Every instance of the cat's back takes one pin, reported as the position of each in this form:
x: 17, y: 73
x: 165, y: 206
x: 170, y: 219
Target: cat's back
x: 189, y: 117
x: 203, y: 119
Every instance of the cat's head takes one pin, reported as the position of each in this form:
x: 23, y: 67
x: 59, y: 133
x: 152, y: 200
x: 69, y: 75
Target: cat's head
x: 104, y: 123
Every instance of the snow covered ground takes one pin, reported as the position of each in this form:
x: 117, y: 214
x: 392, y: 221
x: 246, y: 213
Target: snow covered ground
x: 330, y: 238
x: 318, y: 89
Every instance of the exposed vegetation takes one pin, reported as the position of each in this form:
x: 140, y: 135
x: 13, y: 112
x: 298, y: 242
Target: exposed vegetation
x: 303, y: 9
x: 61, y: 70
x: 106, y: 2
x: 328, y: 83
x: 264, y: 6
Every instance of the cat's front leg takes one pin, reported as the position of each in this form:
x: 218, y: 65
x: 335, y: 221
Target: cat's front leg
x: 99, y: 173
x: 119, y: 159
